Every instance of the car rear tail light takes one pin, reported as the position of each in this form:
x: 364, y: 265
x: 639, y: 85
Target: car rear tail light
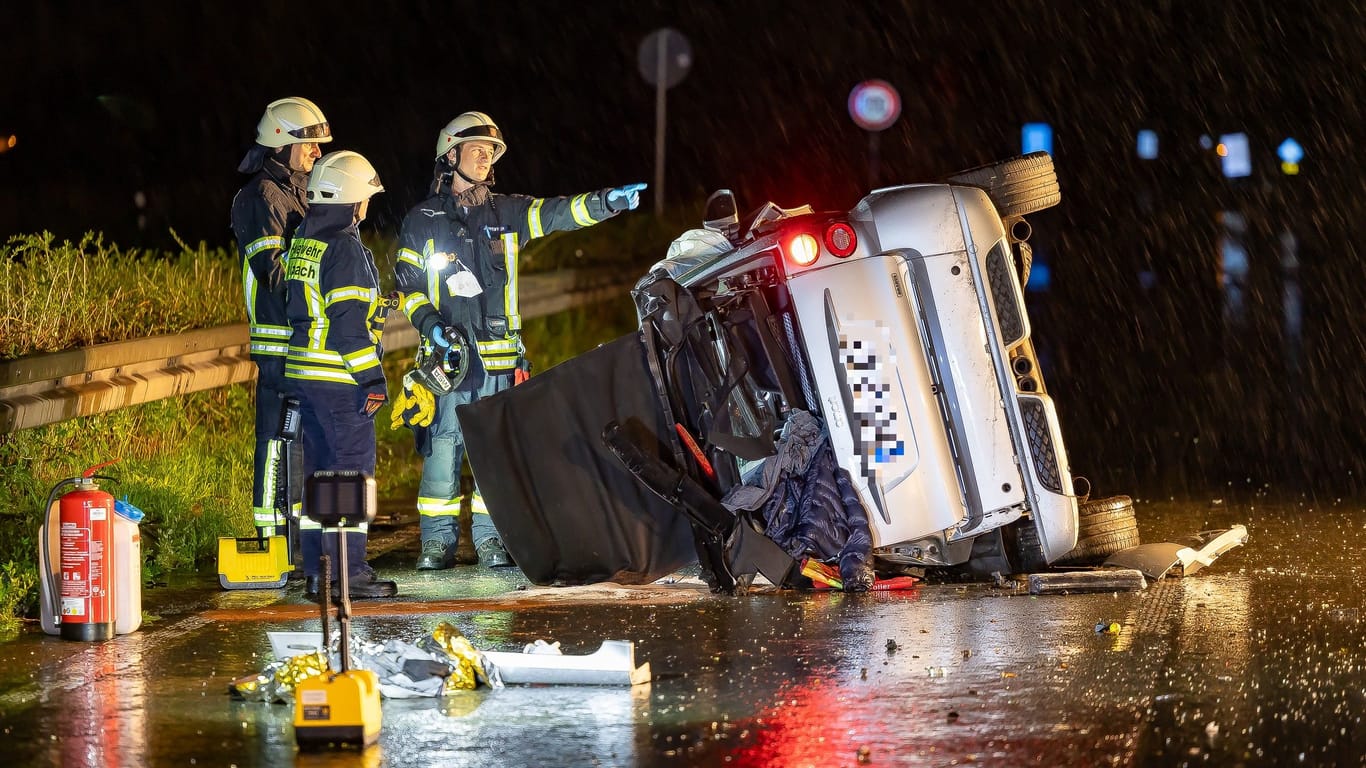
x: 840, y: 239
x: 802, y: 250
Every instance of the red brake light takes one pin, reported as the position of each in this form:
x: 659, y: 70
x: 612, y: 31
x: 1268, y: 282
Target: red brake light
x: 840, y: 239
x: 802, y: 250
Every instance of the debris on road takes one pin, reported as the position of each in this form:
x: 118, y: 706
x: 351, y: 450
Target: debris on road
x: 1081, y: 582
x: 1180, y: 559
x: 439, y: 665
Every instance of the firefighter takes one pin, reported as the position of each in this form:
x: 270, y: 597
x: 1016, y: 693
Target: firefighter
x: 457, y: 268
x: 265, y: 214
x: 333, y: 364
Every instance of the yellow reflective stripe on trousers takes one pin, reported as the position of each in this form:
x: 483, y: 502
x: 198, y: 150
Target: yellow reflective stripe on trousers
x: 477, y: 505
x: 533, y: 219
x: 308, y: 524
x: 265, y: 517
x: 430, y: 507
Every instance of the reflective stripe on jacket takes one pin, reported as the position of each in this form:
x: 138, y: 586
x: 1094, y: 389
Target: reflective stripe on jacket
x: 440, y: 239
x: 265, y: 214
x: 333, y: 288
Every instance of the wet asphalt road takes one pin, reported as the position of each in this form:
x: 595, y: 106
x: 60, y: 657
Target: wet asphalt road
x: 1257, y: 660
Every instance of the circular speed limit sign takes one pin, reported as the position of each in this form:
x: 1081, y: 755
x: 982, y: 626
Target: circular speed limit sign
x: 874, y: 105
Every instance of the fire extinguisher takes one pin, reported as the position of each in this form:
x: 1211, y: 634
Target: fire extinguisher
x: 76, y: 568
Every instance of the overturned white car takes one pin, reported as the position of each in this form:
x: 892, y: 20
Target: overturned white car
x: 891, y: 340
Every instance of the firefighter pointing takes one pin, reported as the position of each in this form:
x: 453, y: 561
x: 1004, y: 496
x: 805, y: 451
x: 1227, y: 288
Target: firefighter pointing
x: 457, y: 268
x: 336, y: 315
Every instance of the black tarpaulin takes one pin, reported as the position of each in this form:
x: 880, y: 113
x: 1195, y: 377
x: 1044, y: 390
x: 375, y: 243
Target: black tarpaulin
x: 567, y: 510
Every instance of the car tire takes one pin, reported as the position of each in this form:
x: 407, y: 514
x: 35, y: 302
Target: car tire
x: 1017, y: 186
x: 1104, y: 527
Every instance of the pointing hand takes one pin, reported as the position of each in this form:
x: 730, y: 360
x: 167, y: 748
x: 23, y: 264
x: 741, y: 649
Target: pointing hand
x: 630, y: 193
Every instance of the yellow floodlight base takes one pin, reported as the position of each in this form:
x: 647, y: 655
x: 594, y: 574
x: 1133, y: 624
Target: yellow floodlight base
x: 252, y: 563
x: 337, y: 710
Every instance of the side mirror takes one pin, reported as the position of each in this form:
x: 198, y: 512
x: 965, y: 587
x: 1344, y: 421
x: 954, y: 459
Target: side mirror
x: 721, y: 214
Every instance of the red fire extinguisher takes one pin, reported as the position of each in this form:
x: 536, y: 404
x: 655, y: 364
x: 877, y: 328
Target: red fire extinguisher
x: 80, y: 588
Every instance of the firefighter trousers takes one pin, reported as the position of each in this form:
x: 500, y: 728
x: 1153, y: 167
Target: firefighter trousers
x: 269, y: 459
x: 438, y: 497
x: 336, y: 436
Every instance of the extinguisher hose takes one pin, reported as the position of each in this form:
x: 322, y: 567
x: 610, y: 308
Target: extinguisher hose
x: 53, y: 600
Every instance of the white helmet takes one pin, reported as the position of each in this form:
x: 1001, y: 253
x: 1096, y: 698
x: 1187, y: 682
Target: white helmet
x: 292, y: 121
x: 342, y: 177
x: 470, y: 126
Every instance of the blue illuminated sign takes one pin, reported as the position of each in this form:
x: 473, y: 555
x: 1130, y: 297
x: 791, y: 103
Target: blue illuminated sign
x: 1036, y: 137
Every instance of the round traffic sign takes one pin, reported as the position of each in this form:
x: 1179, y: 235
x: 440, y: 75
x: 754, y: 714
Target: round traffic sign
x: 664, y: 57
x: 874, y: 105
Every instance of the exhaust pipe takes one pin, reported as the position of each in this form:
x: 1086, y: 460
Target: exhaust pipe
x: 1020, y: 230
x: 1022, y: 366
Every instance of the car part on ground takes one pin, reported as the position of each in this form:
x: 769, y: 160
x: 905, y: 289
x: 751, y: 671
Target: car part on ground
x: 1179, y: 559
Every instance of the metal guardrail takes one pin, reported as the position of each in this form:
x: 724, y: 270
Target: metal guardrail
x: 48, y: 388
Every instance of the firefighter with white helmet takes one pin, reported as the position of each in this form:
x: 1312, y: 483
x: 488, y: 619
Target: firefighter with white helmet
x: 457, y: 268
x: 333, y: 363
x: 265, y: 214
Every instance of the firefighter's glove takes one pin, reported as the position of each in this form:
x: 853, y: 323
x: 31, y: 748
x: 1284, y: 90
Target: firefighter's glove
x: 522, y: 372
x: 625, y: 198
x: 440, y: 336
x: 416, y: 406
x: 373, y: 394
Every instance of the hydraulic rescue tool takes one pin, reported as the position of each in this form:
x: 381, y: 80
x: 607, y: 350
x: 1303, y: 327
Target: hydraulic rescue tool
x: 338, y: 708
x: 265, y: 561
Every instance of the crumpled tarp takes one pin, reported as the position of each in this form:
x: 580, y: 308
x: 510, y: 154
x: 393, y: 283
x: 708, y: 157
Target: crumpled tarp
x: 436, y: 665
x: 808, y: 502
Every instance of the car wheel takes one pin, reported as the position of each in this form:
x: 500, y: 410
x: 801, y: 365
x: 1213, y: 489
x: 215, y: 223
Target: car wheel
x: 1104, y: 527
x: 1016, y: 186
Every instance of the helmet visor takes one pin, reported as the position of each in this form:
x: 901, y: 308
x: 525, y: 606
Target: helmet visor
x: 311, y: 132
x: 481, y: 131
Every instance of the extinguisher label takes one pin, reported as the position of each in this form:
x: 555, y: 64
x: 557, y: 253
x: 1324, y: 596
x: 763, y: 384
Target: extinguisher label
x: 98, y: 513
x: 73, y: 606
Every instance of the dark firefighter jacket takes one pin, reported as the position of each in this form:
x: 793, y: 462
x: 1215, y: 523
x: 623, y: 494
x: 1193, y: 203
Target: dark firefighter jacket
x: 265, y: 214
x: 441, y: 239
x: 333, y: 305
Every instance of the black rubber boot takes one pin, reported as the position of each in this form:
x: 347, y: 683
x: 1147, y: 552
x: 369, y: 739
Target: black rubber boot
x: 436, y: 556
x: 492, y: 554
x: 366, y: 584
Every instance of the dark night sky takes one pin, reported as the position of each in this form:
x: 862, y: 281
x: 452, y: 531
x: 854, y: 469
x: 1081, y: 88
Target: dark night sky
x: 110, y: 98
x: 107, y: 99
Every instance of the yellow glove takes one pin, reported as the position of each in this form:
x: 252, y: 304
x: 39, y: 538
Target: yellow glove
x: 426, y: 406
x: 400, y: 406
x: 416, y: 406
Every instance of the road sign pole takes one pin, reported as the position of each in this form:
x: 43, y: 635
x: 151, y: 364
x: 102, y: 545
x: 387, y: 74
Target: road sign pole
x: 664, y: 58
x: 873, y: 145
x: 661, y: 85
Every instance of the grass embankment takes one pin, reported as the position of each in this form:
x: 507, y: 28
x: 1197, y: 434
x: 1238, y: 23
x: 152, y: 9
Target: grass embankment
x: 186, y: 461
